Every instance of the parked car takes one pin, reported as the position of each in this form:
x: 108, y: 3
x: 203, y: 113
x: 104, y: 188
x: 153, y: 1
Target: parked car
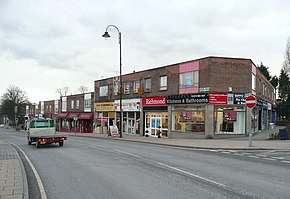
x: 2, y: 125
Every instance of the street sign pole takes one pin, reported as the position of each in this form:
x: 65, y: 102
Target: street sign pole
x: 251, y: 102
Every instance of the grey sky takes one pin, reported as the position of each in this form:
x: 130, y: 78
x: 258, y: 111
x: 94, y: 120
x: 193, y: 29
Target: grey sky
x: 46, y: 45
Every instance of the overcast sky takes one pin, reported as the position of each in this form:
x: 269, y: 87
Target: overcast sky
x: 51, y: 44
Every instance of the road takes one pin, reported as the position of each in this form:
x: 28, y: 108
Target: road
x: 108, y: 168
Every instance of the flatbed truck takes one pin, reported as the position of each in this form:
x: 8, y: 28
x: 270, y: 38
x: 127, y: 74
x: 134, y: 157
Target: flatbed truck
x: 42, y: 131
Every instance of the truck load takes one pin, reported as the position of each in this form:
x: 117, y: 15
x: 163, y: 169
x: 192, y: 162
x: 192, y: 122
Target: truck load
x: 42, y: 131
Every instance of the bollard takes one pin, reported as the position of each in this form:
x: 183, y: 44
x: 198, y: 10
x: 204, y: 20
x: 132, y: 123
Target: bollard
x: 250, y: 139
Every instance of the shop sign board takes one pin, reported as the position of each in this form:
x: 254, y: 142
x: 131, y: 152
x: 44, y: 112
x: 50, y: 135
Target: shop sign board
x: 236, y: 98
x: 104, y: 107
x: 188, y: 99
x: 128, y: 105
x: 154, y: 101
x: 251, y: 101
x: 218, y: 98
x: 230, y: 116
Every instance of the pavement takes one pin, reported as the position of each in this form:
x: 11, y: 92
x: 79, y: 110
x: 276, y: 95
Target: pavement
x: 13, y: 181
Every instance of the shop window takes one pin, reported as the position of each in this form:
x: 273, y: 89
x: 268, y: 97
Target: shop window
x: 188, y: 120
x: 229, y: 120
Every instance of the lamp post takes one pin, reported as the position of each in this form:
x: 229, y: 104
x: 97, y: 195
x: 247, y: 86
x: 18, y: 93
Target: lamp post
x: 106, y: 35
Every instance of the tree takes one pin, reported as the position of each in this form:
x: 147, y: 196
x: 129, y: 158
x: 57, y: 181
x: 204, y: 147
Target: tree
x: 286, y: 63
x: 265, y: 71
x: 62, y: 91
x: 13, y: 103
x: 83, y: 89
x: 283, y: 108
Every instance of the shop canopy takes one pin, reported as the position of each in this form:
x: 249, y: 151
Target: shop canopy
x: 72, y: 115
x: 86, y: 116
x: 62, y: 115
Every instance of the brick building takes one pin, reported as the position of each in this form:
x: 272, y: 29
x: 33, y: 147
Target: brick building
x: 76, y: 113
x: 198, y: 98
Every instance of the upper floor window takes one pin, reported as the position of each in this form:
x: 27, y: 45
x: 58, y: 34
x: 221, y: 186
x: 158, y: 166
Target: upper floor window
x: 136, y: 86
x: 188, y: 79
x: 148, y: 84
x: 56, y: 106
x: 163, y: 83
x: 253, y: 82
x: 127, y: 86
x: 87, y: 103
x: 50, y: 108
x: 77, y: 104
x: 103, y: 91
x: 72, y: 104
x: 63, y: 104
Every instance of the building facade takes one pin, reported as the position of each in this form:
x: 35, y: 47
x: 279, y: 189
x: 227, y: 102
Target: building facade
x: 199, y: 98
x: 76, y: 113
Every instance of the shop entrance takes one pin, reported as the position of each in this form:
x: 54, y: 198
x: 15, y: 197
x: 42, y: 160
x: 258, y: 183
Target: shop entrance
x: 131, y: 126
x: 155, y: 125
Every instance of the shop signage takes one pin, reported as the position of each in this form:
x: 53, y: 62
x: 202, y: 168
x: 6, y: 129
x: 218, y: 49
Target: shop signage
x: 154, y: 101
x: 218, y: 98
x: 230, y: 116
x: 128, y: 105
x: 188, y: 99
x: 236, y: 98
x: 104, y: 107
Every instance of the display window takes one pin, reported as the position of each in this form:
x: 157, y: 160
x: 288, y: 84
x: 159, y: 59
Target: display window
x: 188, y: 119
x: 230, y: 120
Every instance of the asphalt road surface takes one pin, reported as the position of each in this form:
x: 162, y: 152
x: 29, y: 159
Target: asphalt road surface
x: 108, y: 168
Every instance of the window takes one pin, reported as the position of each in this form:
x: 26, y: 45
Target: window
x: 77, y: 104
x: 72, y: 104
x: 87, y: 103
x: 148, y: 84
x: 163, y: 83
x: 127, y: 86
x: 50, y: 108
x: 136, y: 86
x: 63, y: 104
x: 56, y: 106
x: 253, y: 82
x: 103, y: 91
x: 189, y: 79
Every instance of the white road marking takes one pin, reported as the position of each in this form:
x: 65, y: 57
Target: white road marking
x: 279, y: 158
x: 131, y: 154
x: 286, y: 161
x: 191, y: 174
x: 270, y: 159
x: 38, y: 179
x: 252, y: 156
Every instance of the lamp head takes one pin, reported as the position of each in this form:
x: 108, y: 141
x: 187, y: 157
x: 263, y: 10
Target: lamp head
x: 106, y: 35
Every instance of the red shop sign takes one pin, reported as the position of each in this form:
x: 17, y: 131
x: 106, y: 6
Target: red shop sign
x: 218, y: 98
x: 154, y: 101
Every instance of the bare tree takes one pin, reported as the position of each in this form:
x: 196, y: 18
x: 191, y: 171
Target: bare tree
x: 62, y: 91
x: 286, y: 64
x: 83, y: 89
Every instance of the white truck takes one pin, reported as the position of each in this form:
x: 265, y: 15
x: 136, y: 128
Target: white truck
x: 42, y: 131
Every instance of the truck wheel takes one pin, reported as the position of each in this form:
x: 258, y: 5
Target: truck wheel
x: 28, y: 141
x: 37, y: 144
x: 60, y: 143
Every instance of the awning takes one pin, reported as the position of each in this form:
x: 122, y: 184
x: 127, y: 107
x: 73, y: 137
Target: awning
x: 62, y: 115
x: 72, y: 115
x: 86, y: 116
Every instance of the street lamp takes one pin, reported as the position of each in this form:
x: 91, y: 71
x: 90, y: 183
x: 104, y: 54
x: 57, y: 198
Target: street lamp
x: 106, y: 35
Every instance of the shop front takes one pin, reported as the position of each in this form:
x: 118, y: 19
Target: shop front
x: 229, y: 113
x: 187, y: 114
x: 131, y: 115
x: 63, y: 124
x: 86, y: 122
x: 155, y: 116
x: 104, y: 116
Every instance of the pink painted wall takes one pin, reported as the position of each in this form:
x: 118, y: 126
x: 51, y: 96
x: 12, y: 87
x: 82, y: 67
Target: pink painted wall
x: 188, y: 67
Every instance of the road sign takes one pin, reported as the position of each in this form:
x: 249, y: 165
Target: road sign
x: 251, y: 101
